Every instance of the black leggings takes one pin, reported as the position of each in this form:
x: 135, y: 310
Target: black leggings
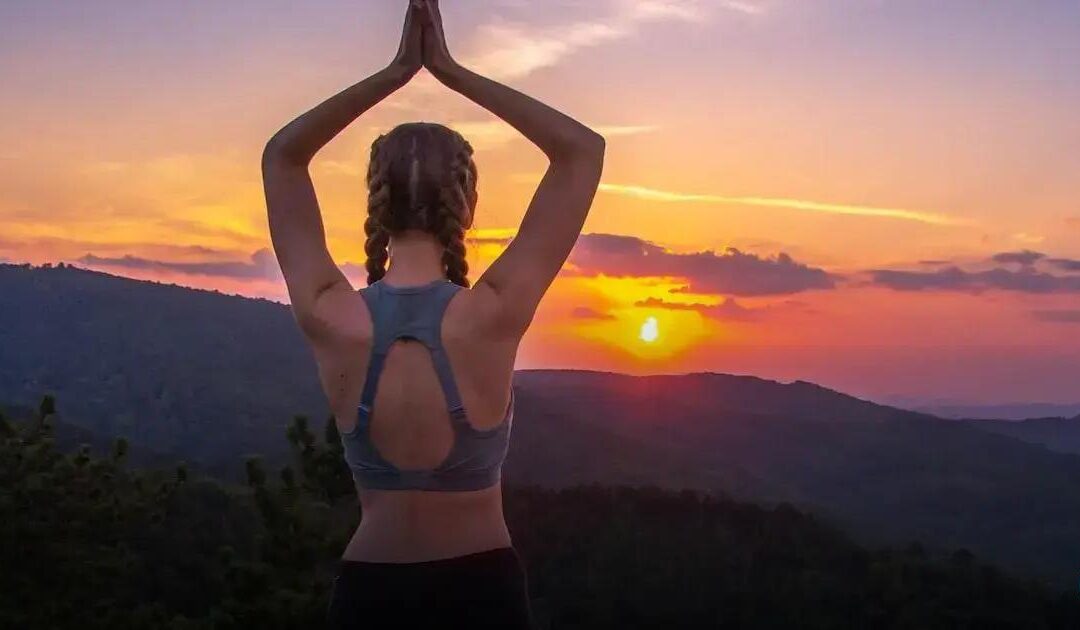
x: 486, y: 589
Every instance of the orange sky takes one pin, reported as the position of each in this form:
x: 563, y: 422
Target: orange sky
x: 898, y: 182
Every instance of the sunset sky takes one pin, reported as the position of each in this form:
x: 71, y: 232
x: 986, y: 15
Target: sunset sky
x: 879, y: 196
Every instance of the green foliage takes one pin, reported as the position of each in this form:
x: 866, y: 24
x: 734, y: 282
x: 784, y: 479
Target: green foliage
x: 90, y: 544
x: 74, y: 521
x: 324, y: 474
x: 619, y: 557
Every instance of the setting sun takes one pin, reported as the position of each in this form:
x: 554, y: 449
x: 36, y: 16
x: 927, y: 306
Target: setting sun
x: 650, y: 330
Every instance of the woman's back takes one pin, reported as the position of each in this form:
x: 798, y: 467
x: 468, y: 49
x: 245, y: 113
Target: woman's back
x: 409, y: 425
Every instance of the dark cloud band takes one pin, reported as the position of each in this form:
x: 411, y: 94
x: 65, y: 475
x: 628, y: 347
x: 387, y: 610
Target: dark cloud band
x: 956, y: 279
x: 730, y: 272
x: 262, y: 266
x: 1025, y: 272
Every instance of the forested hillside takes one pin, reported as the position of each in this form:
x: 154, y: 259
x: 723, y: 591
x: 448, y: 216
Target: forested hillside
x: 197, y: 373
x: 100, y: 545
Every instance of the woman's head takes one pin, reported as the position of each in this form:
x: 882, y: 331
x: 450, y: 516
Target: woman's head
x: 421, y: 176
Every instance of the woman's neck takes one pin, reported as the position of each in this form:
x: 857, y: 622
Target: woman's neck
x: 416, y: 257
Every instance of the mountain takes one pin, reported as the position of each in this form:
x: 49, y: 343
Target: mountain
x: 199, y: 374
x: 211, y: 377
x: 1016, y: 411
x: 1055, y: 426
x: 1056, y: 434
x: 882, y: 473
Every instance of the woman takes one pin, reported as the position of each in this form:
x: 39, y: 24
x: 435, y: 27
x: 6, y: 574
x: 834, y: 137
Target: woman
x: 417, y: 366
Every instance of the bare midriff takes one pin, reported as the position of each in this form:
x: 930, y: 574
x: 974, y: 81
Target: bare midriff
x: 421, y: 525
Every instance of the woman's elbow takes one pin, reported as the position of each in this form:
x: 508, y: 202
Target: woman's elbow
x: 588, y: 145
x: 273, y: 154
x: 596, y: 142
x: 278, y: 153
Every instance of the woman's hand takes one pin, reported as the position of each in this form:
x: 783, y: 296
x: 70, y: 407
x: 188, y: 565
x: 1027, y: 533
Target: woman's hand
x: 410, y: 58
x: 437, y: 57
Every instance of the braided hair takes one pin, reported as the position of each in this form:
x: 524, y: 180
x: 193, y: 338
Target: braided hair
x: 420, y: 176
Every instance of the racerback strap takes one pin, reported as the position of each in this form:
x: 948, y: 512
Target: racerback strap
x: 413, y: 312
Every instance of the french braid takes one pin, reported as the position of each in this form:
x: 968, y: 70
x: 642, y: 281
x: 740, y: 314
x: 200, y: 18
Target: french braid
x: 453, y: 208
x: 378, y: 237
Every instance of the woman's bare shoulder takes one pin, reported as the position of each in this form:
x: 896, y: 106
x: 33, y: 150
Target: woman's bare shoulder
x: 480, y: 313
x: 342, y: 318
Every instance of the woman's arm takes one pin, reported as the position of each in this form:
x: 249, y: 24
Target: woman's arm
x: 296, y: 226
x: 551, y: 225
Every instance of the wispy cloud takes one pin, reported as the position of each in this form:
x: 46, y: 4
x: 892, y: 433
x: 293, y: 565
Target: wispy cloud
x: 490, y: 236
x: 506, y: 49
x: 749, y: 8
x: 644, y: 10
x: 513, y: 51
x: 623, y: 130
x: 1030, y: 239
x: 340, y: 167
x: 509, y: 50
x: 652, y: 194
x: 496, y: 132
x: 483, y: 134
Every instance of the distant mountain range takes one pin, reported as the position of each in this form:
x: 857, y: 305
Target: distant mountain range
x: 1016, y: 411
x: 209, y: 377
x: 1056, y: 434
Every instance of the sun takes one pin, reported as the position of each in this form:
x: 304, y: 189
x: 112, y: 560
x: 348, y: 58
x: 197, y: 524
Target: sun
x: 650, y: 330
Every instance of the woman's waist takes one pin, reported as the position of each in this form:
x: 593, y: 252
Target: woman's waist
x: 415, y: 505
x: 411, y: 527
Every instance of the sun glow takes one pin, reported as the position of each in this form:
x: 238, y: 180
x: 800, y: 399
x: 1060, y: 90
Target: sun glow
x: 650, y: 330
x: 617, y: 319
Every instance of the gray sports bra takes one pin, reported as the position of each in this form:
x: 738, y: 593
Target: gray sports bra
x: 476, y: 457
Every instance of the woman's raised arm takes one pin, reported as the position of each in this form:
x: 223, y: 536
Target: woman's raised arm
x: 296, y: 226
x: 523, y: 272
